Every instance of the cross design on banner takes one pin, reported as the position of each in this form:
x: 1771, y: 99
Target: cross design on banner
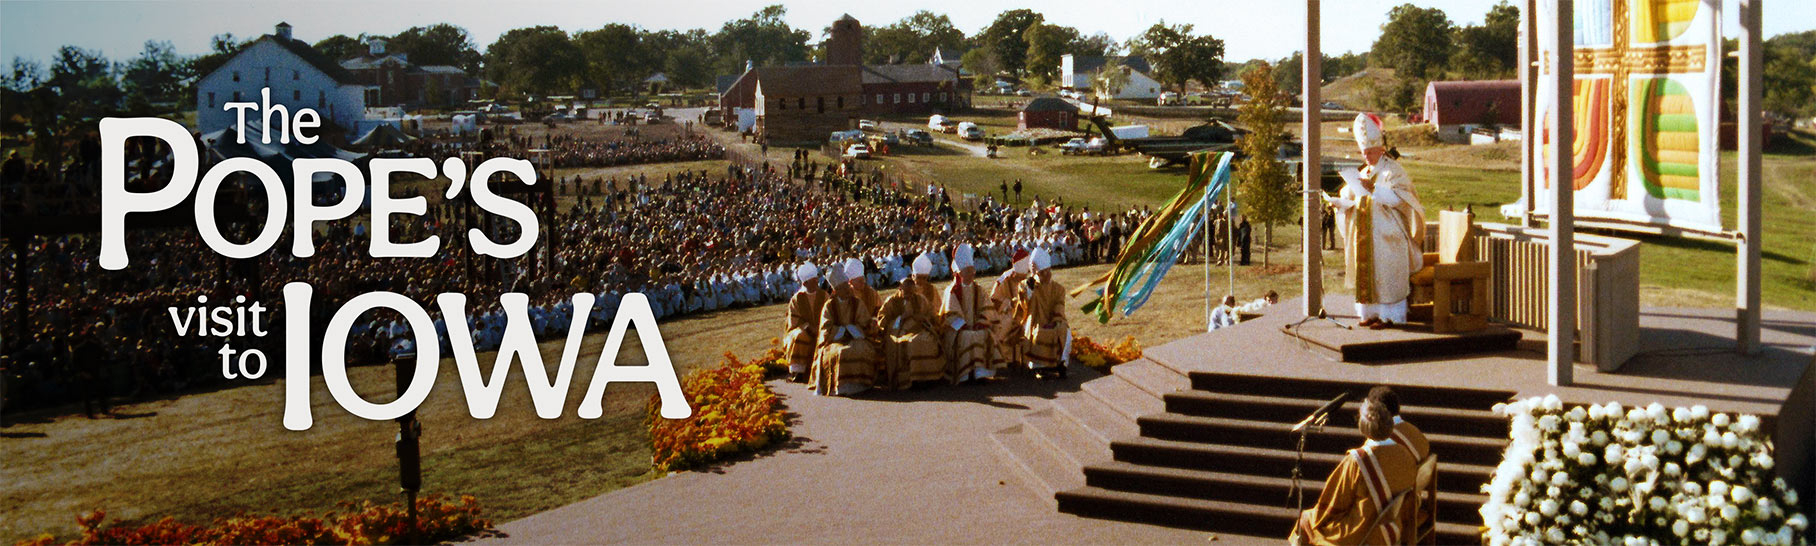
x: 1623, y: 39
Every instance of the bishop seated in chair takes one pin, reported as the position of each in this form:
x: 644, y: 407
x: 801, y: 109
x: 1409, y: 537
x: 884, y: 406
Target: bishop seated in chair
x: 1361, y: 502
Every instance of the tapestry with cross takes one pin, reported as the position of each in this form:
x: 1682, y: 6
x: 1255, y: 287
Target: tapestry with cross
x: 1647, y: 108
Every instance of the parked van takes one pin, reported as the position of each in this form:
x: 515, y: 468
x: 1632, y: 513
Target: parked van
x: 970, y: 131
x: 940, y: 123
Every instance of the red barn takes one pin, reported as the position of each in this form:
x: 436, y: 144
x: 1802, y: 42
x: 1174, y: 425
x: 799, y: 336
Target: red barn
x: 1456, y: 108
x: 1048, y: 113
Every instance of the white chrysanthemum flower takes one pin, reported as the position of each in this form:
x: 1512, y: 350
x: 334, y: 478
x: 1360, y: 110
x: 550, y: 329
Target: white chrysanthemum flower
x: 1571, y: 449
x: 1692, y: 488
x: 1674, y: 447
x: 1765, y: 507
x: 1585, y: 459
x: 1522, y: 499
x: 1711, y: 438
x: 1554, y: 492
x: 1576, y: 414
x: 1719, y: 419
x: 1696, y: 453
x: 1730, y: 440
x: 1798, y: 522
x: 1790, y: 497
x: 1695, y: 515
x: 1734, y: 461
x: 1636, y: 415
x: 1751, y: 536
x: 1532, y: 518
x: 1656, y: 503
x: 1680, y: 414
x: 1599, y: 438
x: 1681, y: 528
x: 1659, y: 436
x: 1717, y: 501
x: 1597, y: 412
x: 1740, y: 494
x: 1500, y: 408
x: 1699, y: 411
x: 1730, y: 512
x: 1578, y: 507
x: 1718, y: 537
x: 1718, y: 488
x: 1548, y: 423
x: 1747, y: 423
x: 1548, y: 507
x: 1765, y: 461
x: 1672, y: 470
x: 1618, y: 485
x: 1539, y: 475
x: 1552, y: 403
x: 1649, y: 460
x: 1607, y: 504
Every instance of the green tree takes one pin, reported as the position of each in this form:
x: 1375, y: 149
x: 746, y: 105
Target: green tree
x: 616, y: 57
x: 1263, y: 187
x: 1046, y: 44
x: 983, y: 66
x: 1006, y: 39
x: 1415, y: 42
x: 764, y: 38
x: 911, y: 39
x: 1108, y: 81
x: 437, y: 44
x: 223, y: 48
x: 154, y: 82
x: 1490, y: 50
x: 1289, y: 72
x: 1179, y: 56
x: 1790, y: 74
x: 537, y: 60
x: 340, y: 46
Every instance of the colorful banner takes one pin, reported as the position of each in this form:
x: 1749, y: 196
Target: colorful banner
x: 1647, y: 104
x: 1158, y: 242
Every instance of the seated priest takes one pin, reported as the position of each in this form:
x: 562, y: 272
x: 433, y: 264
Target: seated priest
x: 1363, y: 483
x: 910, y: 321
x: 1049, y: 336
x: 801, y: 332
x: 1404, y: 434
x: 1008, y: 313
x: 966, y: 328
x: 860, y: 285
x: 847, y: 359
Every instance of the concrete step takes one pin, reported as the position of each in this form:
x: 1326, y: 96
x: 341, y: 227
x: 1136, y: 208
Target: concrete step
x: 1477, y: 422
x: 1067, y: 438
x: 1255, y: 461
x: 1096, y: 417
x: 1325, y: 389
x: 1044, y: 471
x: 1124, y: 397
x: 1152, y: 377
x: 1208, y: 515
x: 1329, y: 439
x: 1245, y: 488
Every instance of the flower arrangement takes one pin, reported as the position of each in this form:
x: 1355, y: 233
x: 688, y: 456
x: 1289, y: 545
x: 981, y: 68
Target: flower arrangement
x: 438, y: 520
x: 1101, y: 357
x: 773, y: 360
x: 1613, y: 475
x: 734, y: 412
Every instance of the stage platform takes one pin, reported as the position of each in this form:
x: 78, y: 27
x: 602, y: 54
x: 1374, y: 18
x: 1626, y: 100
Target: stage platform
x: 1686, y: 358
x: 1343, y: 340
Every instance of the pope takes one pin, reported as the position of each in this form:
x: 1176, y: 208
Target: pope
x: 1383, y: 229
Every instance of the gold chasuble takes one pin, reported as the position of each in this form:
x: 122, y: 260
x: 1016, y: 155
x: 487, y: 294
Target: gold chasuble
x: 1384, y: 231
x: 848, y: 353
x: 1008, y: 310
x: 911, y: 342
x: 1046, y: 327
x: 1362, y: 484
x: 965, y: 329
x: 801, y: 332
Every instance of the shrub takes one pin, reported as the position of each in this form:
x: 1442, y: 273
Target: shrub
x: 734, y: 412
x: 365, y: 523
x: 1614, y: 475
x: 1100, y: 357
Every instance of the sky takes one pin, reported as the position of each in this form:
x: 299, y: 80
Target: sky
x: 1271, y: 29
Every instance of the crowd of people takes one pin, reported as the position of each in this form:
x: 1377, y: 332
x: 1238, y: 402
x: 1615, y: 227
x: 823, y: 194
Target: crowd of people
x: 562, y: 151
x: 694, y: 241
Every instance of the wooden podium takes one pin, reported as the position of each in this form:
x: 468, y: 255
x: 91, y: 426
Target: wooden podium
x: 1451, y: 291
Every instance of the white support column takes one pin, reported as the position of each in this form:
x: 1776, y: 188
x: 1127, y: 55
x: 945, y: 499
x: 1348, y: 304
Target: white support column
x: 1746, y: 279
x: 1561, y: 354
x: 1311, y: 169
x: 1529, y: 88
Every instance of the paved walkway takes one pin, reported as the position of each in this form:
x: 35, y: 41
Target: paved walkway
x: 916, y: 467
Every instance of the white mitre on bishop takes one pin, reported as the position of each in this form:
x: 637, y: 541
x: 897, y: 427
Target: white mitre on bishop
x: 1367, y: 129
x: 923, y: 265
x: 963, y: 257
x: 806, y: 272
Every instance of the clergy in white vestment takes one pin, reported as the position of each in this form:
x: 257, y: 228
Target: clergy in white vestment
x: 1383, y: 226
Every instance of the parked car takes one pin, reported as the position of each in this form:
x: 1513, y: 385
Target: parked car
x: 940, y: 123
x: 918, y: 136
x: 969, y: 131
x: 1074, y: 146
x: 866, y: 125
x: 891, y: 139
x: 1023, y: 93
x: 858, y: 151
x: 846, y: 136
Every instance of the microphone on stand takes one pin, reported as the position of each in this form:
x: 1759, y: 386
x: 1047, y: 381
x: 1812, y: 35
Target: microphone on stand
x: 1318, y: 415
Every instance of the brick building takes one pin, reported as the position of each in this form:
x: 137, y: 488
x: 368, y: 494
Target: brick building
x: 913, y: 89
x: 392, y: 80
x: 1048, y: 113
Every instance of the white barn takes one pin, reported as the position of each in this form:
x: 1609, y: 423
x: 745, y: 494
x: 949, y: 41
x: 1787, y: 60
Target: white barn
x: 1075, y: 72
x: 297, y: 75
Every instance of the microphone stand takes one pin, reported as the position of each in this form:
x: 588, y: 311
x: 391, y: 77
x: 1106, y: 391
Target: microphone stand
x: 1320, y: 316
x: 1315, y: 420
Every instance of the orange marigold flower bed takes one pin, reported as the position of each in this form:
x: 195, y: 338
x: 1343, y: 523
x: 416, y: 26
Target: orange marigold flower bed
x: 438, y: 520
x: 734, y: 412
x: 1102, y: 357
